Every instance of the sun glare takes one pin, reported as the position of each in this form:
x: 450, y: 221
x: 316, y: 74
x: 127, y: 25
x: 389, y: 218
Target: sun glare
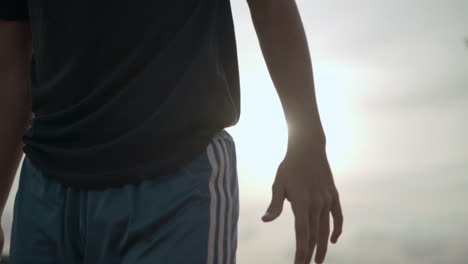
x: 261, y: 134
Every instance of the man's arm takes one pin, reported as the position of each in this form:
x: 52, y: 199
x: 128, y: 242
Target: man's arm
x: 15, y: 105
x: 304, y: 177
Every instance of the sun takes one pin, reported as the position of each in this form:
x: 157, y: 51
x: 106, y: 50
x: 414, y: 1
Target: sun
x: 261, y: 134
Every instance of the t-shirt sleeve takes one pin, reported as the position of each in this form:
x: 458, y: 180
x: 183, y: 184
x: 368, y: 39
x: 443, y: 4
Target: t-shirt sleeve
x: 14, y: 10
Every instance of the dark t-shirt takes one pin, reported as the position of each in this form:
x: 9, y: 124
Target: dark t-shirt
x: 124, y: 91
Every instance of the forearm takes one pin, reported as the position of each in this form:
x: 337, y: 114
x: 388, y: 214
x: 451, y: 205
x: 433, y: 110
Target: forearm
x: 14, y: 120
x: 284, y: 46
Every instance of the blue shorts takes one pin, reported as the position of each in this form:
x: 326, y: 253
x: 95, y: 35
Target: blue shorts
x: 189, y: 216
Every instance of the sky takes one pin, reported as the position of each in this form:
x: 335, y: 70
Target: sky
x: 392, y: 88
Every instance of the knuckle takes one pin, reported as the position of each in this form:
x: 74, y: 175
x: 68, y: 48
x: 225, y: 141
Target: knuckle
x: 276, y: 187
x: 340, y: 218
x: 327, y: 200
x: 298, y: 210
x: 340, y: 226
x: 301, y: 200
x: 338, y: 229
x: 336, y: 196
x: 317, y: 203
x: 334, y: 193
x: 337, y: 233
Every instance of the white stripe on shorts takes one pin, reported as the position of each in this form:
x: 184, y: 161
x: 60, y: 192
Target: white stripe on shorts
x: 211, y: 234
x: 230, y: 204
x: 222, y: 212
x: 217, y: 223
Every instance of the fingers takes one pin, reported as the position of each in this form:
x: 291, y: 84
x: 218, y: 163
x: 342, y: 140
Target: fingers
x: 337, y: 220
x: 324, y: 233
x: 276, y: 206
x: 314, y: 232
x: 318, y: 229
x: 302, y: 227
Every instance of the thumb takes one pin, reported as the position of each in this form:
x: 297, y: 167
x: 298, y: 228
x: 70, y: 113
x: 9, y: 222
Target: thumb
x: 276, y: 206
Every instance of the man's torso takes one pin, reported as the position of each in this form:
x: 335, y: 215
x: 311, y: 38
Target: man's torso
x: 123, y: 91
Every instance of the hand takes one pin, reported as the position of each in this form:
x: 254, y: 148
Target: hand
x: 304, y: 178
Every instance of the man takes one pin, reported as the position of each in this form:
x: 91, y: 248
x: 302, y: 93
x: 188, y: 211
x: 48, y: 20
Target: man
x: 127, y: 160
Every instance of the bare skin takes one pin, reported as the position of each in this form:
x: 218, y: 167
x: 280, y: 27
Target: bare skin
x: 15, y: 105
x: 304, y: 177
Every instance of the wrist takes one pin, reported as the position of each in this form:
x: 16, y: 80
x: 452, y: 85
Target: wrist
x: 302, y: 136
